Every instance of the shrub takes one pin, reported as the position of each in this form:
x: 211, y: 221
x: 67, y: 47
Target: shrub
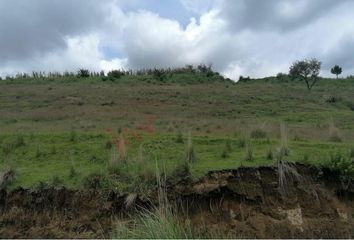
x: 115, y: 74
x: 244, y: 79
x: 179, y: 138
x: 351, y: 153
x: 225, y: 154
x: 53, y: 149
x: 258, y: 133
x: 351, y: 106
x: 19, y: 141
x: 342, y: 164
x: 38, y: 153
x: 282, y: 76
x: 242, y: 142
x: 72, y: 172
x: 228, y: 146
x: 108, y: 144
x: 97, y: 181
x: 305, y: 159
x: 56, y: 181
x: 269, y: 155
x: 332, y: 99
x: 227, y: 149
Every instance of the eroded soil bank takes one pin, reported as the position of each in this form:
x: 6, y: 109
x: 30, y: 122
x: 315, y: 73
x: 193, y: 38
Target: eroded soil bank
x: 267, y: 202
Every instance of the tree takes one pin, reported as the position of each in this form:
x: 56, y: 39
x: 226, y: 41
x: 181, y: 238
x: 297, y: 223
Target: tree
x: 337, y: 70
x: 83, y: 73
x: 306, y: 70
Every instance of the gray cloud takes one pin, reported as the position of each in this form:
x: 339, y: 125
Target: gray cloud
x: 341, y: 54
x: 279, y: 15
x: 35, y: 27
x: 248, y: 37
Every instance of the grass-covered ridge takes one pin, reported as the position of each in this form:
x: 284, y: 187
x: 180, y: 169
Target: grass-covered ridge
x: 53, y: 130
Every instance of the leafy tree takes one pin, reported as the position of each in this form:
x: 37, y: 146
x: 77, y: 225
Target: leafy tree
x: 84, y: 73
x: 306, y: 70
x: 337, y: 70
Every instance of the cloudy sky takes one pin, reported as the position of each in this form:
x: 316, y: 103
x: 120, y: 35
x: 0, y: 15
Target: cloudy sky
x: 238, y: 37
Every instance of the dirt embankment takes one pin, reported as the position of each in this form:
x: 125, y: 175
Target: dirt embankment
x: 284, y: 202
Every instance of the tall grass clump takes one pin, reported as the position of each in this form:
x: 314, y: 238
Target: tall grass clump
x: 179, y: 138
x: 114, y: 160
x: 73, y: 136
x: 227, y: 149
x: 248, y: 152
x: 269, y: 155
x: 334, y: 135
x: 19, y: 141
x: 122, y: 150
x: 258, y: 133
x: 155, y: 224
x: 160, y: 222
x: 284, y: 147
x: 190, y: 154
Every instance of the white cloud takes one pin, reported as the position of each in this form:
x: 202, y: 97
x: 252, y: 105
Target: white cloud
x: 239, y: 37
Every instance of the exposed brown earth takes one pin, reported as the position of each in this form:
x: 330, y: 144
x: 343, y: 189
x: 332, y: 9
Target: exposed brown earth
x: 245, y: 203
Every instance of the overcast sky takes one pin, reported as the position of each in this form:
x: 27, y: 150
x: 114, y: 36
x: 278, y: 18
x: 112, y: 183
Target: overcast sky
x: 239, y: 37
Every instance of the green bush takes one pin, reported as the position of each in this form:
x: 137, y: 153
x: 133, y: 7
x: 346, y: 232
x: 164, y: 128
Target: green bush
x: 342, y: 164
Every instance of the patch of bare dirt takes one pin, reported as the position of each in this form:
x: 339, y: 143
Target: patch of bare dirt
x: 247, y: 203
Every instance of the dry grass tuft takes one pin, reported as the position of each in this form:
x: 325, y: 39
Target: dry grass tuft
x: 334, y: 135
x: 284, y: 147
x: 190, y: 154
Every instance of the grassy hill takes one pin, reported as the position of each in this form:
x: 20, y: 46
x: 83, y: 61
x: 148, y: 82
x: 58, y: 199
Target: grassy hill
x: 63, y: 130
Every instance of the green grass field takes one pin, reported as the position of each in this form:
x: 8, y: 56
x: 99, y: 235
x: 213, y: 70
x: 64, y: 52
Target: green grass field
x: 54, y: 131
